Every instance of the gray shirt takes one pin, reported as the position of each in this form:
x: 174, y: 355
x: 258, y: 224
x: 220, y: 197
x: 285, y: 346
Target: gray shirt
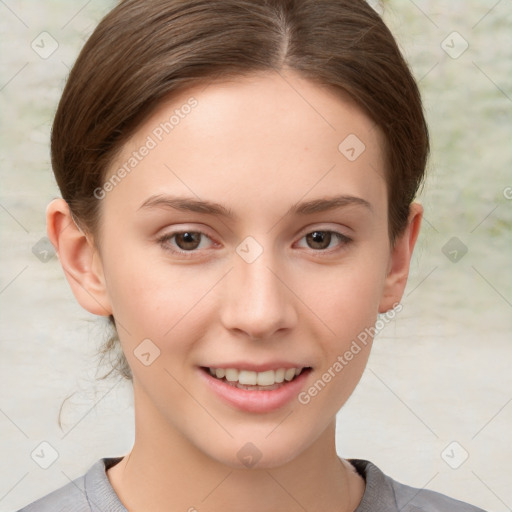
x: 92, y: 492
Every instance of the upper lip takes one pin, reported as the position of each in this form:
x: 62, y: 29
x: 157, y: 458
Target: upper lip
x: 254, y: 367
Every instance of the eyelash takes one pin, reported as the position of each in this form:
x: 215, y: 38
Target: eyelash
x: 164, y: 242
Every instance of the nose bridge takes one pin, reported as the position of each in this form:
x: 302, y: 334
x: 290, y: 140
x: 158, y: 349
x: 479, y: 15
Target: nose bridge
x: 257, y: 302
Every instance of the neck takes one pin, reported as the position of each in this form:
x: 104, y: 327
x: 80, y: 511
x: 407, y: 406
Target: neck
x: 164, y: 471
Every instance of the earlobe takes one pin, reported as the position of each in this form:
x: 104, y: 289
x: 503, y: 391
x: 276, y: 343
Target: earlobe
x: 79, y: 259
x: 400, y: 259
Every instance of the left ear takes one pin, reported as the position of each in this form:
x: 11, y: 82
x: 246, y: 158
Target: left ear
x: 400, y: 259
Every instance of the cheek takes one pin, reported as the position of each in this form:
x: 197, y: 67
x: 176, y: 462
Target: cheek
x: 145, y: 299
x: 347, y: 297
x: 348, y: 308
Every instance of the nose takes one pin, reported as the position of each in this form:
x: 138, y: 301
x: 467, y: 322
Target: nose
x: 258, y: 301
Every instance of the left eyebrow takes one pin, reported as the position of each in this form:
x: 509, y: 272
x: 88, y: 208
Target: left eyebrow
x: 328, y: 203
x: 211, y: 208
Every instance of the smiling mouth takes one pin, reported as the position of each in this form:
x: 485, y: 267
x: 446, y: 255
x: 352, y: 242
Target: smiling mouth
x: 256, y: 381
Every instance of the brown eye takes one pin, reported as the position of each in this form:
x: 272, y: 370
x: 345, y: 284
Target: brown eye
x: 185, y: 243
x: 325, y: 241
x: 188, y: 240
x: 319, y: 239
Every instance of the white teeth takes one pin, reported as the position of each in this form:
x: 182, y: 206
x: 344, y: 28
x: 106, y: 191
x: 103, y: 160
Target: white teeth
x: 289, y: 374
x: 266, y: 378
x: 231, y: 374
x: 280, y: 375
x: 250, y: 378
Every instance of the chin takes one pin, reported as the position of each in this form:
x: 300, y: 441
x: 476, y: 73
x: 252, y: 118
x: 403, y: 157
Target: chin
x: 259, y: 451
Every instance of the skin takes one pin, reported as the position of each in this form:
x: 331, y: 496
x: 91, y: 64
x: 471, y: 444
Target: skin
x: 257, y: 145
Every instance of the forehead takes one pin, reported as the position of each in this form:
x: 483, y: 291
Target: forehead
x: 258, y: 142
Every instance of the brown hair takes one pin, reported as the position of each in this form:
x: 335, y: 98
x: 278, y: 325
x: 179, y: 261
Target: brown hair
x: 144, y: 50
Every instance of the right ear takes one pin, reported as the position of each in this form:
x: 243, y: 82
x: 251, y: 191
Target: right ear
x: 79, y: 258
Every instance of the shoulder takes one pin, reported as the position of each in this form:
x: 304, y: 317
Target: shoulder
x: 395, y: 496
x: 413, y: 499
x: 86, y: 493
x: 69, y: 497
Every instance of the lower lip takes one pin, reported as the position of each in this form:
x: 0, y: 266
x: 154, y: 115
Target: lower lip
x: 256, y: 401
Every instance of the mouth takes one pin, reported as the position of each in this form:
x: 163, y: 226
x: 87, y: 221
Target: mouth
x: 253, y: 387
x: 268, y: 380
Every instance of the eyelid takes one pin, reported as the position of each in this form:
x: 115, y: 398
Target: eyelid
x: 328, y: 228
x: 342, y: 230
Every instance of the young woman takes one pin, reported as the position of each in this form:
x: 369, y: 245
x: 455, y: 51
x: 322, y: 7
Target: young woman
x: 238, y: 182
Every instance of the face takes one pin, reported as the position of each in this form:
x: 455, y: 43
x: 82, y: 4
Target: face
x: 245, y: 239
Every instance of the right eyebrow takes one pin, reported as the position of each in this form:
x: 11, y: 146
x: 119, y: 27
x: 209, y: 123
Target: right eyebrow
x: 188, y: 204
